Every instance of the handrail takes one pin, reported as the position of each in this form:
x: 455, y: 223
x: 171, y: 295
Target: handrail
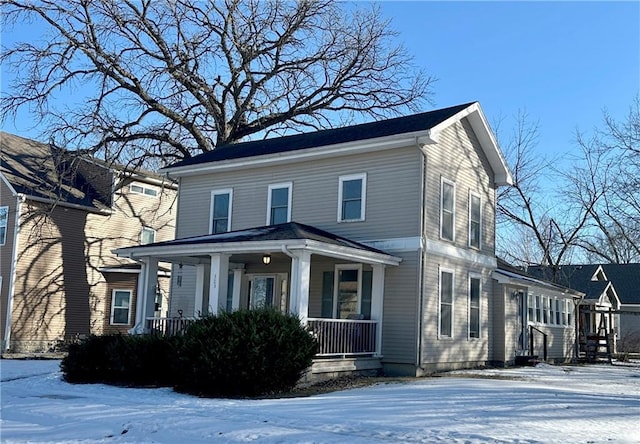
x: 544, y: 341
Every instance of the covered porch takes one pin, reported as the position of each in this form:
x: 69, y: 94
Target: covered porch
x: 334, y: 285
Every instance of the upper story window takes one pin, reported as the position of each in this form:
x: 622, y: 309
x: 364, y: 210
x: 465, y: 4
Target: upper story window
x: 352, y: 191
x: 138, y: 188
x: 447, y: 209
x: 279, y: 203
x: 147, y: 236
x: 220, y: 211
x: 475, y: 220
x: 4, y: 216
x: 445, y: 319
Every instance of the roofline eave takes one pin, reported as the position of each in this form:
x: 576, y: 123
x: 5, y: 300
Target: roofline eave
x: 248, y: 247
x: 340, y: 149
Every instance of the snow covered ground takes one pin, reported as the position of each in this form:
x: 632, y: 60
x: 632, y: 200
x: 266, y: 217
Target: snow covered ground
x: 547, y: 404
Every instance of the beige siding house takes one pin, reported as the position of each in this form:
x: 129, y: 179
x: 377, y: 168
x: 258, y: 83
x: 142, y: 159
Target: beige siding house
x: 379, y: 236
x: 60, y: 217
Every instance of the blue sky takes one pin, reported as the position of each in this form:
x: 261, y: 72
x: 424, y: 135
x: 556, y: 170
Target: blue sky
x: 564, y: 62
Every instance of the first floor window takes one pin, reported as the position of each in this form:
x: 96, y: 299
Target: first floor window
x: 532, y: 307
x: 348, y: 290
x: 538, y: 309
x: 279, y: 204
x: 147, y: 236
x: 220, y: 211
x: 558, y: 312
x: 446, y: 304
x: 352, y: 197
x: 4, y: 216
x: 569, y: 312
x: 120, y: 307
x: 545, y: 309
x: 474, y: 307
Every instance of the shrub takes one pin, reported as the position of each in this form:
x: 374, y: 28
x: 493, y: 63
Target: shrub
x: 244, y: 353
x: 122, y: 360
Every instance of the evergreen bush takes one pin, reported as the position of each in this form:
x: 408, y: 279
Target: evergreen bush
x: 244, y: 353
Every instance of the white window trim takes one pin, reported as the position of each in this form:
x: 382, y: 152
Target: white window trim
x: 220, y: 192
x: 473, y: 194
x: 336, y: 277
x: 453, y: 228
x: 277, y: 186
x: 3, y: 241
x: 144, y: 187
x: 144, y: 227
x: 453, y: 293
x: 113, y: 307
x: 363, y: 200
x: 479, y: 278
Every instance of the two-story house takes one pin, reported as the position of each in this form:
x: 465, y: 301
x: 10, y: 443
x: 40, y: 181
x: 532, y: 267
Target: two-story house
x: 379, y: 236
x: 61, y: 214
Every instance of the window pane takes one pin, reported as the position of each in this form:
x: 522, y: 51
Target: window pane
x: 148, y: 236
x: 150, y: 192
x: 352, y: 189
x: 120, y: 315
x: 447, y: 226
x: 280, y: 197
x: 447, y: 196
x: 351, y: 209
x: 121, y: 299
x: 538, y: 310
x: 447, y: 287
x: 474, y: 323
x: 278, y: 215
x: 221, y: 206
x: 220, y: 225
x: 445, y: 320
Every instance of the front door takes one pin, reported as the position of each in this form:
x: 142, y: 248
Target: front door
x: 268, y: 291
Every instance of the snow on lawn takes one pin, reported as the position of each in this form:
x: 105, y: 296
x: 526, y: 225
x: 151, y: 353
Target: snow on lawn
x: 563, y: 404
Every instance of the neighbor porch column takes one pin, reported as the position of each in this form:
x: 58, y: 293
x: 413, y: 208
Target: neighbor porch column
x: 377, y: 302
x: 146, y: 293
x: 300, y: 278
x: 218, y: 282
x: 237, y: 283
x: 199, y: 297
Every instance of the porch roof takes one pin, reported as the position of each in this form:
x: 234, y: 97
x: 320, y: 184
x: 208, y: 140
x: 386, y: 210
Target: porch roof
x: 287, y: 237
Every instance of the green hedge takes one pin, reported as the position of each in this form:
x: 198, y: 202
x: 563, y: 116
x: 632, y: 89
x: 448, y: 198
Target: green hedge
x: 244, y: 353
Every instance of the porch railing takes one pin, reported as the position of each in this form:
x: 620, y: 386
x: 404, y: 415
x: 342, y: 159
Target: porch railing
x: 168, y: 326
x: 339, y: 337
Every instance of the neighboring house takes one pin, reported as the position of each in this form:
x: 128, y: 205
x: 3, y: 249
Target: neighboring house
x: 613, y: 293
x: 60, y: 217
x: 533, y: 319
x: 380, y: 237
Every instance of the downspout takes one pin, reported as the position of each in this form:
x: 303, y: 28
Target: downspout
x: 12, y: 279
x: 423, y: 215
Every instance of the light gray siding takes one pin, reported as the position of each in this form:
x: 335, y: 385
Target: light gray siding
x: 392, y: 199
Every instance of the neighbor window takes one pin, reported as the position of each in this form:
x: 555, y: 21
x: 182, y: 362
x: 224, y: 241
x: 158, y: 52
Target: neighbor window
x: 352, y: 197
x: 147, y: 236
x: 475, y: 218
x: 445, y: 324
x: 279, y: 204
x: 558, y: 312
x: 220, y: 211
x: 474, y: 306
x: 532, y: 307
x: 120, y: 307
x: 4, y: 215
x: 569, y: 311
x: 447, y: 209
x: 545, y: 310
x: 137, y: 188
x: 538, y: 309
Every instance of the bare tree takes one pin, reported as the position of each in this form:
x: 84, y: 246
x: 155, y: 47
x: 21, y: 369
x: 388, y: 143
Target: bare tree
x: 615, y: 220
x: 165, y: 80
x: 540, y: 224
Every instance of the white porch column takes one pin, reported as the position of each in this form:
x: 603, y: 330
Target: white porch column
x: 377, y: 302
x: 218, y: 282
x: 199, y: 297
x: 237, y: 283
x: 300, y: 277
x: 146, y: 293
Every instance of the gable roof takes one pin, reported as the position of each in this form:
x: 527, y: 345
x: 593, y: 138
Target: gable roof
x: 271, y: 238
x: 419, y: 128
x: 42, y: 172
x: 507, y: 273
x: 626, y: 280
x: 580, y: 277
